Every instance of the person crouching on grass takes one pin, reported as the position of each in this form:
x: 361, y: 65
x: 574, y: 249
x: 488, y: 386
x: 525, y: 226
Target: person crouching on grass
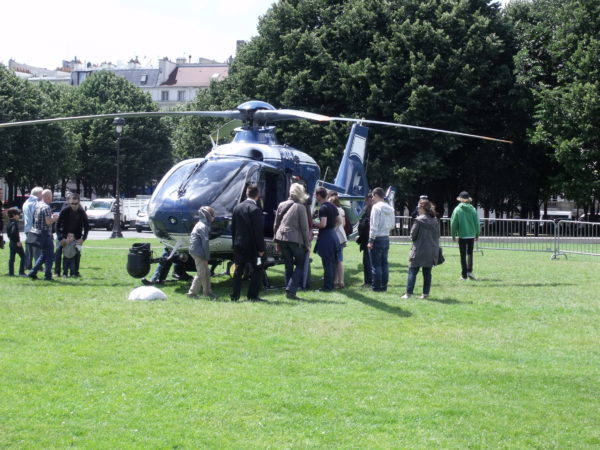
x: 199, y: 250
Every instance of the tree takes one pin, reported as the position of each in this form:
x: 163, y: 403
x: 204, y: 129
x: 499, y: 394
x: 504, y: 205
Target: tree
x: 439, y: 63
x: 35, y: 154
x: 559, y: 61
x: 145, y: 146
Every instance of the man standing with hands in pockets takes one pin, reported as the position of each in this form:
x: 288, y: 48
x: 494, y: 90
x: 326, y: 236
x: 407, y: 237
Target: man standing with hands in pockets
x: 382, y: 221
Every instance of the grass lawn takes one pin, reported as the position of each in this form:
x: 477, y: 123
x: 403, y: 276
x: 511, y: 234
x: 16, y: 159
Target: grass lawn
x: 509, y: 361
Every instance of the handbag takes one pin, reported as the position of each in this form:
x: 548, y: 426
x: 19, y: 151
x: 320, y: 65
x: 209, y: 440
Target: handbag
x: 33, y: 239
x: 441, y: 258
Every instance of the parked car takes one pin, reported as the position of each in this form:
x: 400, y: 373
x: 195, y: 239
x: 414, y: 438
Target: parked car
x: 141, y: 221
x: 100, y: 214
x: 102, y: 210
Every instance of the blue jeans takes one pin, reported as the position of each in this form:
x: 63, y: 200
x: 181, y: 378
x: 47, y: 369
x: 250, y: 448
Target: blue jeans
x: 412, y: 278
x: 32, y: 253
x: 379, y: 263
x: 329, y: 266
x: 47, y: 256
x: 293, y: 257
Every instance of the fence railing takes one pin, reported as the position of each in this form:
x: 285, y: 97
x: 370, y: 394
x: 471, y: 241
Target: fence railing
x: 556, y: 238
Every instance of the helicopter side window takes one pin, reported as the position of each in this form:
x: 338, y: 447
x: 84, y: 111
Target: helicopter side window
x: 230, y: 195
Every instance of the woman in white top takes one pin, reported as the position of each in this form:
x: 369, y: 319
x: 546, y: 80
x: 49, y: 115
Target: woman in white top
x: 341, y: 234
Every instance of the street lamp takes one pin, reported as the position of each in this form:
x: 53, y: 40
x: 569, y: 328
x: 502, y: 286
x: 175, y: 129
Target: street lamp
x: 116, y: 232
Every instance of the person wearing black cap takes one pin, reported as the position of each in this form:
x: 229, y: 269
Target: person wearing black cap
x: 464, y: 223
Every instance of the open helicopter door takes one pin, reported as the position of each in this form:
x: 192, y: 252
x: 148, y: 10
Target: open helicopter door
x: 273, y: 190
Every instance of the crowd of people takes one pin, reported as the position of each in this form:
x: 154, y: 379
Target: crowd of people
x: 40, y: 225
x: 292, y: 231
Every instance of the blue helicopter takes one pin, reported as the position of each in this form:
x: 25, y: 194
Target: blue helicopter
x: 254, y: 156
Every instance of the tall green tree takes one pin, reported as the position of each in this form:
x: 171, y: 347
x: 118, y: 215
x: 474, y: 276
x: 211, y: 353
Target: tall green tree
x: 145, y: 146
x: 559, y: 61
x: 437, y: 63
x: 35, y: 154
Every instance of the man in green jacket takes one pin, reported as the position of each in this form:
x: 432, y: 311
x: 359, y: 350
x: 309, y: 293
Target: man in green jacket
x: 464, y: 223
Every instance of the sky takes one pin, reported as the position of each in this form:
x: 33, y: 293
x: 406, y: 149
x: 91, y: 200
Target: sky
x: 43, y: 33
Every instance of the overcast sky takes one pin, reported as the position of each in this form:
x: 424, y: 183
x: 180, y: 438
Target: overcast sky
x: 44, y: 32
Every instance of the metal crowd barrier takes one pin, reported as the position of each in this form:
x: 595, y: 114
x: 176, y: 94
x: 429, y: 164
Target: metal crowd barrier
x: 557, y: 239
x: 578, y: 238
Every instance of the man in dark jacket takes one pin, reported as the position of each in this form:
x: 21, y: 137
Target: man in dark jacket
x: 16, y: 247
x: 72, y: 219
x: 247, y: 232
x: 364, y: 226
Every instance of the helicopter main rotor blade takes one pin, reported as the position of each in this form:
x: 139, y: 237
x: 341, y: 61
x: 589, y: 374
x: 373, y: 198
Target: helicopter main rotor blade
x: 216, y: 114
x: 288, y: 114
x: 291, y: 114
x: 415, y: 127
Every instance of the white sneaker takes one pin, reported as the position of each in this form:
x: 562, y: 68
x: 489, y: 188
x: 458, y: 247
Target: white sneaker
x: 471, y: 275
x: 406, y: 296
x: 424, y: 295
x: 462, y: 279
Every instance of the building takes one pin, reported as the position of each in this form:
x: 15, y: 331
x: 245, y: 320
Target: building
x: 32, y: 73
x: 172, y: 84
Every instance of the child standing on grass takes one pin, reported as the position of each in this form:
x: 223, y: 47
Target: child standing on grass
x: 200, y: 252
x: 16, y: 248
x: 69, y: 253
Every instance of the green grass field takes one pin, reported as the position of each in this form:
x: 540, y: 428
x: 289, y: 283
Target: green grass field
x: 510, y: 361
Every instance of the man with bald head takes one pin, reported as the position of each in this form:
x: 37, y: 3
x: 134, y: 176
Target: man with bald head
x: 31, y: 252
x: 42, y: 226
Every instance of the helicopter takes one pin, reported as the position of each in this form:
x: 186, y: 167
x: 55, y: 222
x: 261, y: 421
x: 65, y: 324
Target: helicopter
x: 256, y: 157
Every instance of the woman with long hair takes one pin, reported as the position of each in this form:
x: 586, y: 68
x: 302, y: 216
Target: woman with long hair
x: 424, y: 253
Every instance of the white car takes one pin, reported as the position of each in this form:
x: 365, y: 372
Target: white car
x: 141, y: 220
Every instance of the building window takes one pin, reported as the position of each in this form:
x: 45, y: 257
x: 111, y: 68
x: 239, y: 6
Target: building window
x: 181, y: 96
x: 164, y: 96
x: 144, y: 79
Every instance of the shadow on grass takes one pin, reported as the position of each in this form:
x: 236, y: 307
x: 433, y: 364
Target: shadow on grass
x: 446, y: 301
x: 486, y: 285
x: 275, y: 302
x: 374, y: 303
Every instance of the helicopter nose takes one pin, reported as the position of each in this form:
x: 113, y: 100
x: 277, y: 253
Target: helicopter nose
x: 171, y: 218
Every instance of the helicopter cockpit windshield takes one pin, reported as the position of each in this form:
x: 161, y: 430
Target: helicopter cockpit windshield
x: 195, y: 183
